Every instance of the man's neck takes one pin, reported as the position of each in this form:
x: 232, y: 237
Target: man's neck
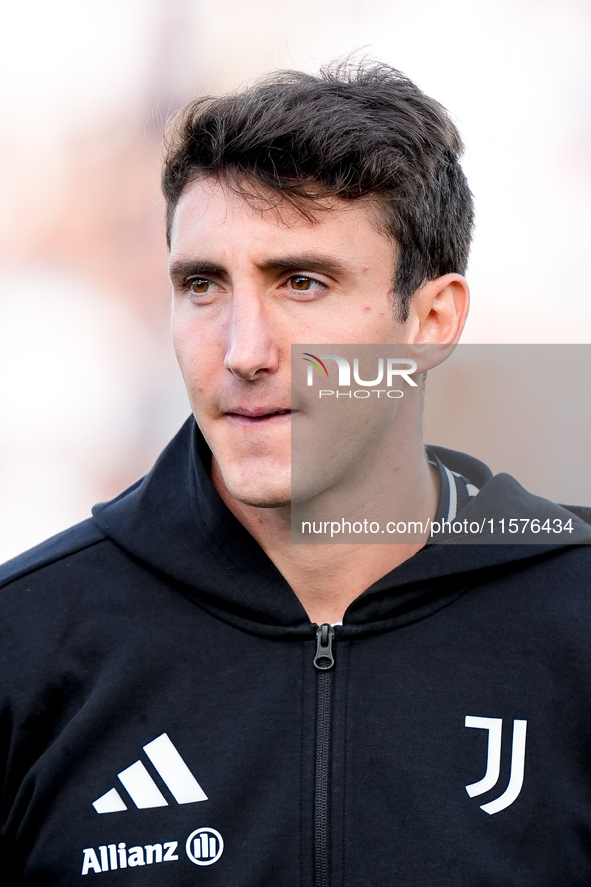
x: 327, y: 578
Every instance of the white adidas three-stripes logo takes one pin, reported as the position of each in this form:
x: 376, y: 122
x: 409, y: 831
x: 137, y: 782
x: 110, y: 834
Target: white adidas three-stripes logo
x: 142, y: 788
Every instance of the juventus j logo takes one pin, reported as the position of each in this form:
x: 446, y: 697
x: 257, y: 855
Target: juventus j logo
x: 493, y: 762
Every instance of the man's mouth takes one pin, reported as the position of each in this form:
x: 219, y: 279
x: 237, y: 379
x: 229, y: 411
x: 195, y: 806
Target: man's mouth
x: 259, y: 416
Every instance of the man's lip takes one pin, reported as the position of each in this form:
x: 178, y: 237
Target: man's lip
x: 258, y: 412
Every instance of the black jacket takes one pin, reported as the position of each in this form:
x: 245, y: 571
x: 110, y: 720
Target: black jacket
x: 162, y: 720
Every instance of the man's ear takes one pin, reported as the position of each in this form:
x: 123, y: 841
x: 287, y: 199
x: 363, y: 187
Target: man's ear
x: 438, y: 311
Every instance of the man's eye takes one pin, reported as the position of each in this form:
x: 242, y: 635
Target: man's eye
x: 198, y: 285
x: 302, y: 284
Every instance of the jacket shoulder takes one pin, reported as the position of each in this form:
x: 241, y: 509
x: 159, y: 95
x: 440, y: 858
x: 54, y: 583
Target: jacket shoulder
x: 77, y: 538
x: 581, y: 511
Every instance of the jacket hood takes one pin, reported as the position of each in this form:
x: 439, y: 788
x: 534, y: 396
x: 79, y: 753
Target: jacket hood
x: 176, y: 525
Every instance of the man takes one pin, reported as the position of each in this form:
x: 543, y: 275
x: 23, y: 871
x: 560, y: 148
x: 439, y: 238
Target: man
x: 180, y: 701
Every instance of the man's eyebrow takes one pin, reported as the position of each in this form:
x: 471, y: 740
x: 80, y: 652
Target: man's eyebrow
x: 308, y: 262
x: 180, y: 269
x: 183, y: 268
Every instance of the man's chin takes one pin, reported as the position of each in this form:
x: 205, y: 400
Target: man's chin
x: 259, y: 501
x: 257, y: 493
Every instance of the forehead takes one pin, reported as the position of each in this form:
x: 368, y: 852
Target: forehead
x: 211, y: 214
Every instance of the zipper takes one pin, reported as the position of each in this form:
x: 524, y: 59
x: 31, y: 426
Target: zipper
x: 323, y: 662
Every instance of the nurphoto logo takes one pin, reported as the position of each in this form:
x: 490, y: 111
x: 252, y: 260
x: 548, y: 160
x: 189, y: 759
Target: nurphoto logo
x: 388, y: 371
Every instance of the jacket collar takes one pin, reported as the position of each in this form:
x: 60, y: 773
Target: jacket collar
x: 176, y: 525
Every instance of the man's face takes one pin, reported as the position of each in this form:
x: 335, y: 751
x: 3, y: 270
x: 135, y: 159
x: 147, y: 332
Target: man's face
x: 247, y: 284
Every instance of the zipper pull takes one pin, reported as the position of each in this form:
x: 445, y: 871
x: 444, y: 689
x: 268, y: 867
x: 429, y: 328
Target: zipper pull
x: 324, y: 658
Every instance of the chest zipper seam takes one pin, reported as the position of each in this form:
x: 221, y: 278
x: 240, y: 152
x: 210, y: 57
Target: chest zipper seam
x: 324, y: 663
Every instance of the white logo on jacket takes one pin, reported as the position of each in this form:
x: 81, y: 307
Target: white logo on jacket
x: 141, y: 787
x: 204, y: 846
x: 493, y: 762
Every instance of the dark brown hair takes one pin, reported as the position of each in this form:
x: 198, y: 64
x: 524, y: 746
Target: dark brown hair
x: 356, y: 130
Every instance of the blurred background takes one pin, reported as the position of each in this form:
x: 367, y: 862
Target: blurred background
x: 89, y: 392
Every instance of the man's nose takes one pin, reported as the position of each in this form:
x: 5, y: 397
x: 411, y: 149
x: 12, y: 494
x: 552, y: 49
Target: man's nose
x: 252, y: 349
